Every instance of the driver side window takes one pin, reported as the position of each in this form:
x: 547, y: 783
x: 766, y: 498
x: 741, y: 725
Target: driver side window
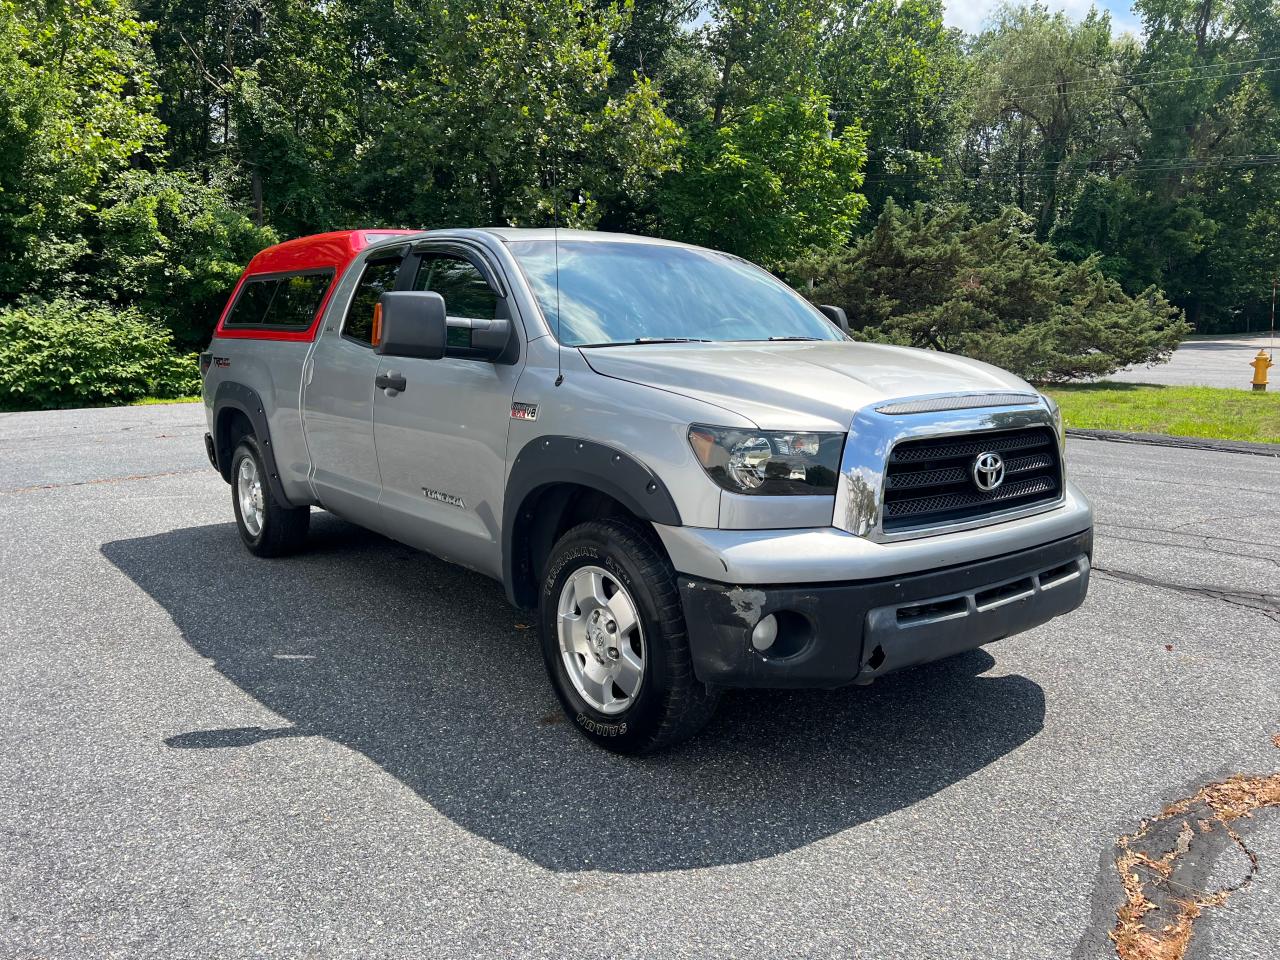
x: 465, y: 290
x: 378, y: 277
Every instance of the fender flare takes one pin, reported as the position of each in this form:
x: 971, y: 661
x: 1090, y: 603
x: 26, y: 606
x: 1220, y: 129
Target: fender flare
x: 232, y: 395
x: 549, y: 460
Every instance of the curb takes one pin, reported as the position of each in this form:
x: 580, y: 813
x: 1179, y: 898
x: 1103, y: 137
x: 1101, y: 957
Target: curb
x: 1185, y: 443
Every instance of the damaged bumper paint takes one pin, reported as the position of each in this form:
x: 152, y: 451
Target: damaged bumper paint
x: 833, y: 634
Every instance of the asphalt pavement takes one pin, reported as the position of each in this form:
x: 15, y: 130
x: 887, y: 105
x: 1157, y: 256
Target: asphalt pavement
x: 1208, y: 362
x: 355, y: 752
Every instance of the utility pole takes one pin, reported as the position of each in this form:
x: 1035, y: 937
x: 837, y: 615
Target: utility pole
x: 1275, y: 282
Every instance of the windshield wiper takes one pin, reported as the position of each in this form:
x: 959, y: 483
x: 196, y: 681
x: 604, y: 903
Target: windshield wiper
x: 645, y: 340
x: 670, y: 340
x: 793, y: 338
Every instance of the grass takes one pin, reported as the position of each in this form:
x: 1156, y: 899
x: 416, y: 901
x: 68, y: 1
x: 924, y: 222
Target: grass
x: 149, y: 401
x: 1209, y: 412
x: 144, y: 402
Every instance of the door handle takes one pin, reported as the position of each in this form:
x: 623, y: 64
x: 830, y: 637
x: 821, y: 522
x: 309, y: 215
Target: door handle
x: 390, y: 381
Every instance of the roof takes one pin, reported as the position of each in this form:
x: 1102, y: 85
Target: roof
x: 339, y: 248
x: 322, y: 251
x: 336, y: 250
x: 513, y: 234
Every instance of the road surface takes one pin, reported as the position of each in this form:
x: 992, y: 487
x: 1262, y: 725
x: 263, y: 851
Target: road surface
x: 355, y: 753
x: 1207, y: 362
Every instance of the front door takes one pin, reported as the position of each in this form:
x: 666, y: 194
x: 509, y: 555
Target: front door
x: 338, y: 407
x: 442, y: 440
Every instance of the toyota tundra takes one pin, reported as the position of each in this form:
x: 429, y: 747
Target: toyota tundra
x: 696, y: 479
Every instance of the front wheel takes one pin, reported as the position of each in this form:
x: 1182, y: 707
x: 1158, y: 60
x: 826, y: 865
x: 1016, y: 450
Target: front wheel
x: 268, y: 526
x: 614, y: 640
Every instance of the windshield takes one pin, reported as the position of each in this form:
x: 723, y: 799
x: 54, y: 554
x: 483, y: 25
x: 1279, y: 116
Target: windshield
x: 618, y: 292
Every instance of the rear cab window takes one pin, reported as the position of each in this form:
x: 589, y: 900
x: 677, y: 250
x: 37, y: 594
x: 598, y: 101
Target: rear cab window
x: 287, y: 301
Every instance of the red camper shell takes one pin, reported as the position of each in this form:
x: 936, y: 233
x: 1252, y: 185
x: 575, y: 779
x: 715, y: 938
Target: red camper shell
x: 283, y: 291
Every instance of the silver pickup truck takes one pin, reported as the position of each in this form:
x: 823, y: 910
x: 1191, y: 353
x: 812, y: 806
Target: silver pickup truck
x: 693, y: 476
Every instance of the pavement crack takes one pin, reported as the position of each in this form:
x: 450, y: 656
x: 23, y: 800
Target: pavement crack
x: 1193, y: 548
x: 103, y: 480
x: 1166, y: 865
x: 1267, y: 604
x: 1192, y: 523
x: 1176, y: 531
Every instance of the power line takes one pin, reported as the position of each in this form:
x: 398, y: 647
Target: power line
x: 1114, y: 84
x: 1123, y: 88
x: 1146, y: 73
x: 1148, y: 162
x: 1003, y: 174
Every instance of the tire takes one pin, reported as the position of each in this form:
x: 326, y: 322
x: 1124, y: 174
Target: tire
x: 668, y: 704
x: 278, y: 529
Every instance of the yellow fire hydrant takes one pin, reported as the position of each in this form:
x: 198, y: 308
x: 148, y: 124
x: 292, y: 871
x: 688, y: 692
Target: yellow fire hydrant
x: 1261, y: 364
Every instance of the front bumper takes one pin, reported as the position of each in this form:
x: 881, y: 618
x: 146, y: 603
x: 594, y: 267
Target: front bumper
x: 832, y: 634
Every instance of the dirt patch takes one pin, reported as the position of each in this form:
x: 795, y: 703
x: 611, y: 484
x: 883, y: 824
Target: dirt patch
x: 1184, y: 861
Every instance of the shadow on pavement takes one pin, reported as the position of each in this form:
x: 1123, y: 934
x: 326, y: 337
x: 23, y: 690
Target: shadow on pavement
x: 426, y: 670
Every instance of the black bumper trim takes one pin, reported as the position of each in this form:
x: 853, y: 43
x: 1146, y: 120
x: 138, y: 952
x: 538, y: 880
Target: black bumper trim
x: 837, y: 628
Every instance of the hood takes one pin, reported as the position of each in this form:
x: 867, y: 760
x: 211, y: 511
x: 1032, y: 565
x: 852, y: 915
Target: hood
x: 801, y: 385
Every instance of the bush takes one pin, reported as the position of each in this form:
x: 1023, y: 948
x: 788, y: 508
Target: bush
x: 991, y: 291
x: 175, y: 247
x: 69, y: 353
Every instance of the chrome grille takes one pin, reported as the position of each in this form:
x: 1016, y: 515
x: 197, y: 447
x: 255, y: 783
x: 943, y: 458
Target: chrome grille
x: 929, y: 481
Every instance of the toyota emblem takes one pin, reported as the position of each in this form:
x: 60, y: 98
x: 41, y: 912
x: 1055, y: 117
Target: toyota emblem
x: 988, y: 471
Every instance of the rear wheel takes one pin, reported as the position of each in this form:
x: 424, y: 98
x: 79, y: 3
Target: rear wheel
x: 614, y: 640
x: 268, y: 526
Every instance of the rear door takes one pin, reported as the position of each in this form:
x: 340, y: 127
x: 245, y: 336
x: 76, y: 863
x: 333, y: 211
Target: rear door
x: 338, y: 407
x: 442, y: 441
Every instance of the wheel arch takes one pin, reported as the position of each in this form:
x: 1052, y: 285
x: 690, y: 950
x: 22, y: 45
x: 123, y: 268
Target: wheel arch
x: 557, y: 482
x: 235, y: 407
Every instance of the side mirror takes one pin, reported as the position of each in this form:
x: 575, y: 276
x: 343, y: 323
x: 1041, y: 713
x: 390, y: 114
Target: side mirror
x: 413, y: 325
x: 836, y: 316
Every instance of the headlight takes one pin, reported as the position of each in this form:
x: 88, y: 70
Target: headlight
x: 1056, y: 412
x: 769, y: 462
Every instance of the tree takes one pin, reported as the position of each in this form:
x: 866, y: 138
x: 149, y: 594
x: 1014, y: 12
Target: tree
x: 761, y: 172
x: 504, y: 114
x: 763, y: 49
x: 1040, y: 106
x: 1207, y: 184
x: 174, y: 247
x: 772, y: 182
x: 990, y: 290
x: 893, y: 68
x: 76, y: 108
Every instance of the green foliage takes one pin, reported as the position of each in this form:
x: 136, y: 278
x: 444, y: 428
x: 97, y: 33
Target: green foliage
x: 511, y: 107
x: 175, y: 247
x: 894, y: 68
x: 762, y: 50
x: 76, y: 107
x: 68, y: 353
x: 147, y: 152
x: 1159, y: 155
x: 990, y: 290
x: 1044, y: 92
x: 772, y: 181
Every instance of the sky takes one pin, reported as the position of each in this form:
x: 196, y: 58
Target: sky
x: 970, y: 14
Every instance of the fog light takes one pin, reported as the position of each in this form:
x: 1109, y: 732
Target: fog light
x: 765, y: 633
